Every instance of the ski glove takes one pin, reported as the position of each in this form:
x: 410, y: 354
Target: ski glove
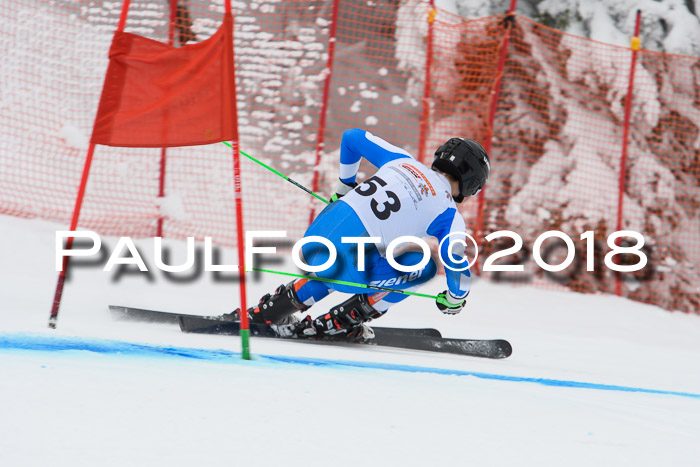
x: 342, y: 189
x: 449, y: 304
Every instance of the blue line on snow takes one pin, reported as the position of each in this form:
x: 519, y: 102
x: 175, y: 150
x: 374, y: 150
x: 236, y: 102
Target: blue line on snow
x: 59, y: 343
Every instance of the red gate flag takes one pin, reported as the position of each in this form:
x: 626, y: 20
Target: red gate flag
x: 156, y: 95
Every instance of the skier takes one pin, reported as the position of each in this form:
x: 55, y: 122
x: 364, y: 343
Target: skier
x: 404, y: 197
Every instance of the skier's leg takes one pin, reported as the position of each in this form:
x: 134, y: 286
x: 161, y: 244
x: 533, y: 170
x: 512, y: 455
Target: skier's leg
x: 336, y: 222
x: 310, y: 291
x: 384, y: 275
x: 346, y: 320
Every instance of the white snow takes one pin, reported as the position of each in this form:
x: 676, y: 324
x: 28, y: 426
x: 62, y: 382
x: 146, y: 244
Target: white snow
x: 297, y: 404
x: 171, y: 206
x: 367, y: 94
x: 73, y: 136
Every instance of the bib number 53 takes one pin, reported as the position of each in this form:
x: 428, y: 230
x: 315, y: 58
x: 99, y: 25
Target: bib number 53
x: 369, y: 188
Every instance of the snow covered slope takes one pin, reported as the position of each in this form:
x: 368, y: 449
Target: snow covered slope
x: 103, y: 392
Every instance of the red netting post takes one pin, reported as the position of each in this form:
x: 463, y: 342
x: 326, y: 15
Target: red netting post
x: 161, y: 179
x: 53, y: 317
x: 634, y: 45
x: 245, y: 329
x: 426, y: 87
x: 122, y: 17
x: 509, y: 19
x: 320, y: 137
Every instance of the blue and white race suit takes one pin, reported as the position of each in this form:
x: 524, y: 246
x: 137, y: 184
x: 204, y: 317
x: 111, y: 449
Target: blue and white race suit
x: 404, y: 197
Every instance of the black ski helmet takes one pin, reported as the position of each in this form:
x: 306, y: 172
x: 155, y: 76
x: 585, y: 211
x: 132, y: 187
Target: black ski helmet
x: 467, y: 161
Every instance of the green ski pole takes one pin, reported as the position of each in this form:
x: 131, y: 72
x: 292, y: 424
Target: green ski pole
x: 297, y: 184
x: 352, y: 284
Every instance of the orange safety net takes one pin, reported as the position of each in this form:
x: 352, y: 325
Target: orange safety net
x: 556, y: 138
x: 156, y: 95
x: 556, y: 158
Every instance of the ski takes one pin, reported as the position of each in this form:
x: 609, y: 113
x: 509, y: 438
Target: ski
x: 386, y: 337
x: 139, y: 314
x: 152, y: 316
x: 425, y: 339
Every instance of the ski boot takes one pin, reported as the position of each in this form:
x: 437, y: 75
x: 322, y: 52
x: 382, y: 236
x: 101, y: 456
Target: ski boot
x: 344, y: 322
x: 277, y: 308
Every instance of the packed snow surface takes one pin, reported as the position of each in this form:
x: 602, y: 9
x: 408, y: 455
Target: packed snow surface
x: 592, y: 380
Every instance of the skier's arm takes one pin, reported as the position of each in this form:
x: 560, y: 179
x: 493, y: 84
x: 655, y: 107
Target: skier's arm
x: 451, y: 222
x: 357, y: 144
